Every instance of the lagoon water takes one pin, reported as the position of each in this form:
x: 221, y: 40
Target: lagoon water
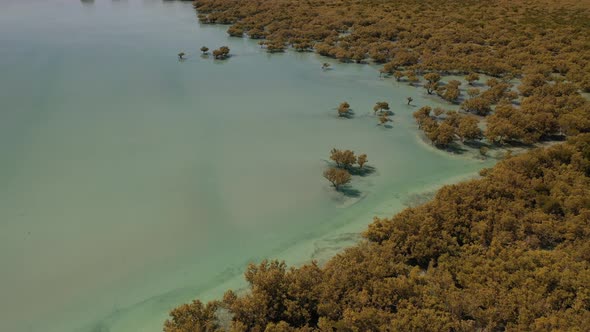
x: 133, y: 182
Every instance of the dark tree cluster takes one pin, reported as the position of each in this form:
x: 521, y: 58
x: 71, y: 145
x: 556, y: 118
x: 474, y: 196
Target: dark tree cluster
x: 382, y: 108
x: 494, y: 37
x: 546, y: 109
x: 507, y: 252
x: 221, y: 53
x: 345, y: 161
x: 444, y: 127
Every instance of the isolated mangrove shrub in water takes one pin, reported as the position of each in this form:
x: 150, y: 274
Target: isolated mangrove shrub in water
x: 343, y: 158
x: 362, y: 160
x: 345, y: 161
x: 383, y: 119
x: 221, y: 53
x: 380, y: 106
x: 337, y: 176
x: 344, y: 110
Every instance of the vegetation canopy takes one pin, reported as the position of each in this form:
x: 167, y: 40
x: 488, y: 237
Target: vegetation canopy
x: 492, y: 37
x: 221, y: 53
x: 543, y: 43
x: 509, y: 251
x: 337, y: 176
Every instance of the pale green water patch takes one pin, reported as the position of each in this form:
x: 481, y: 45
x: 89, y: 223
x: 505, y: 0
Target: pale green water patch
x: 133, y: 182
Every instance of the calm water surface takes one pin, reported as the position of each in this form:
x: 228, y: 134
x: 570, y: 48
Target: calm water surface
x: 132, y: 182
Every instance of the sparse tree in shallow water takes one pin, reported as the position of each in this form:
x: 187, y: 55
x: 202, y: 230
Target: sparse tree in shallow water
x: 181, y: 56
x: 410, y: 100
x: 337, y: 176
x: 325, y: 66
x: 344, y: 110
x: 204, y: 49
x: 362, y: 160
x: 381, y: 106
x: 343, y: 158
x: 221, y: 53
x: 383, y: 119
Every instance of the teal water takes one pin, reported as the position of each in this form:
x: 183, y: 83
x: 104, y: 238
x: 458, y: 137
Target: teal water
x: 132, y: 182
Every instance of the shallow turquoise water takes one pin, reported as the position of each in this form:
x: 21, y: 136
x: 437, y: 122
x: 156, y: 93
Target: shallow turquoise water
x: 132, y: 182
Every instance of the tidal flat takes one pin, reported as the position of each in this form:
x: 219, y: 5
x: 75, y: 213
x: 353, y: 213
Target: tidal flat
x: 133, y: 182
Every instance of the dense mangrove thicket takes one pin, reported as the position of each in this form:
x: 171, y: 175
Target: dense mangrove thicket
x: 543, y: 43
x: 492, y: 37
x: 546, y: 110
x: 507, y: 252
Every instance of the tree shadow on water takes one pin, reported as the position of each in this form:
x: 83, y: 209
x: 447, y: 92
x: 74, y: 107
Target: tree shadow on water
x: 455, y: 148
x: 476, y: 144
x: 364, y: 171
x: 347, y: 115
x: 348, y: 191
x: 386, y: 112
